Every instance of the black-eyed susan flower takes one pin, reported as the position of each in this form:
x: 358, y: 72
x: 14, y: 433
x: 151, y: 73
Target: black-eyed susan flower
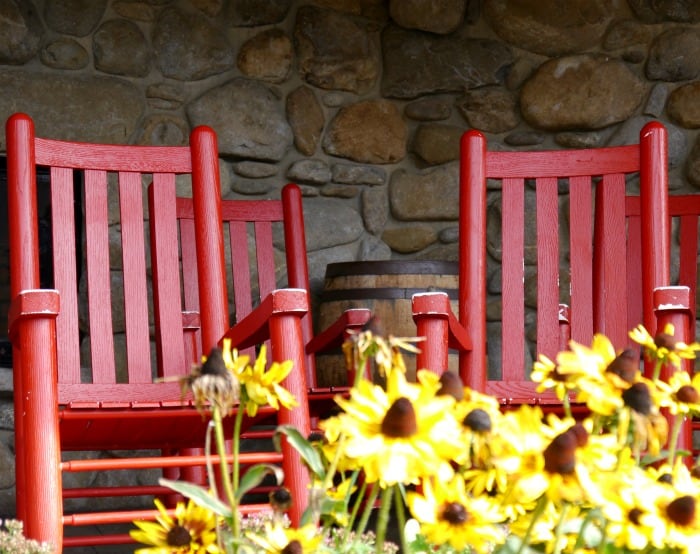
x: 263, y: 385
x: 663, y: 347
x: 682, y: 393
x: 449, y: 515
x: 213, y: 382
x: 278, y: 539
x: 397, y: 435
x: 191, y: 529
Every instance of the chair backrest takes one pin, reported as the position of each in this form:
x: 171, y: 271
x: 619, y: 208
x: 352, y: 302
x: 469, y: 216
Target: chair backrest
x: 266, y: 250
x: 100, y: 248
x: 542, y: 284
x: 684, y: 215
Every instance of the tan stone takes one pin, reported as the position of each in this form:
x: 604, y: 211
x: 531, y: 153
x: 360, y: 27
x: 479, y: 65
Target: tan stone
x: 267, y: 56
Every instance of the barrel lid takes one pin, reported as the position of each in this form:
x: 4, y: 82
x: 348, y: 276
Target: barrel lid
x: 392, y: 267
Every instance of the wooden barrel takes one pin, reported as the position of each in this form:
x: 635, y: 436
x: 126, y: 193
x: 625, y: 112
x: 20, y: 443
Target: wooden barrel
x: 386, y: 288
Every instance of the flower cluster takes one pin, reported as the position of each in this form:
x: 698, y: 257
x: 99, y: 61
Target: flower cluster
x: 462, y: 475
x: 13, y: 540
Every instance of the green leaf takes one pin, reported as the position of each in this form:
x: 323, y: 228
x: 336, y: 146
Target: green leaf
x: 255, y: 475
x: 306, y: 450
x: 199, y: 495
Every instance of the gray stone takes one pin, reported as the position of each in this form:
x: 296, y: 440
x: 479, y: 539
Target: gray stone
x: 212, y: 8
x: 133, y: 9
x: 252, y: 13
x: 64, y: 53
x: 74, y: 17
x: 428, y: 109
x: 188, y: 47
x: 267, y: 56
x: 674, y: 55
x: 410, y: 194
x: 657, y: 100
x: 330, y: 222
x: 314, y: 172
x: 437, y: 143
x: 255, y: 170
x: 375, y: 210
x: 692, y: 169
x: 579, y: 140
x: 373, y: 248
x: 491, y: 109
x: 306, y: 119
x: 319, y: 260
x: 407, y: 240
x: 72, y: 108
x: 626, y: 33
x: 164, y: 130
x: 376, y: 10
x: 550, y: 27
x: 684, y: 106
x: 339, y: 191
x: 358, y: 174
x: 247, y: 117
x: 522, y: 69
x: 20, y: 32
x: 440, y: 252
x: 7, y: 459
x: 120, y: 48
x: 334, y: 52
x: 165, y: 95
x: 583, y: 92
x: 5, y: 381
x: 417, y: 63
x: 333, y: 99
x: 524, y: 138
x: 369, y: 132
x: 250, y: 187
x: 435, y: 16
x: 657, y: 11
x: 449, y: 235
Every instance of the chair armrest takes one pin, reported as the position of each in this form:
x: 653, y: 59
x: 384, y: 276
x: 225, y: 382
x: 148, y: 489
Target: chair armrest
x: 32, y: 304
x: 335, y: 334
x: 254, y: 328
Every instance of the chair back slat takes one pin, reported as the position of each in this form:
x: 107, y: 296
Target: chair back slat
x: 265, y: 254
x: 580, y: 298
x: 547, y: 214
x: 98, y: 275
x: 133, y: 243
x: 65, y: 267
x: 513, y: 277
x: 167, y: 302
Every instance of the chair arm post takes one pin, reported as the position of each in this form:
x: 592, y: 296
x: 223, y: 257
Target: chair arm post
x: 672, y: 305
x: 33, y: 328
x: 289, y: 307
x: 431, y: 314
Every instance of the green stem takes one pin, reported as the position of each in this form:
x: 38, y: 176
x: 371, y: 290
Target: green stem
x: 675, y: 433
x: 383, y: 518
x: 369, y: 506
x: 356, y: 508
x: 401, y: 519
x: 566, y: 404
x: 539, y: 510
x: 236, y: 527
x: 560, y: 527
x: 657, y: 370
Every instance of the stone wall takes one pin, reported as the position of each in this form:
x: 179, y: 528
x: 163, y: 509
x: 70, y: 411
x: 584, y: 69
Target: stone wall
x: 361, y: 102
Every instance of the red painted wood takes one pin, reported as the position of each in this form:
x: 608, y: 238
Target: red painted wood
x: 599, y: 297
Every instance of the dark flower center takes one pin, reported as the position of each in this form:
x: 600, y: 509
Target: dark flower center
x: 666, y: 478
x: 560, y: 454
x: 451, y: 385
x: 638, y: 398
x: 681, y: 511
x: 178, y: 536
x: 634, y: 515
x: 215, y: 363
x: 688, y: 394
x: 281, y: 498
x: 400, y: 420
x: 293, y: 547
x: 664, y: 340
x: 454, y: 513
x: 478, y: 420
x: 625, y: 365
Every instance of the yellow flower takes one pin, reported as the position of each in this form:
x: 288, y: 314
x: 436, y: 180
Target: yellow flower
x: 663, y: 348
x: 277, y: 539
x: 396, y: 436
x: 682, y: 393
x: 448, y: 514
x: 191, y: 529
x: 262, y: 386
